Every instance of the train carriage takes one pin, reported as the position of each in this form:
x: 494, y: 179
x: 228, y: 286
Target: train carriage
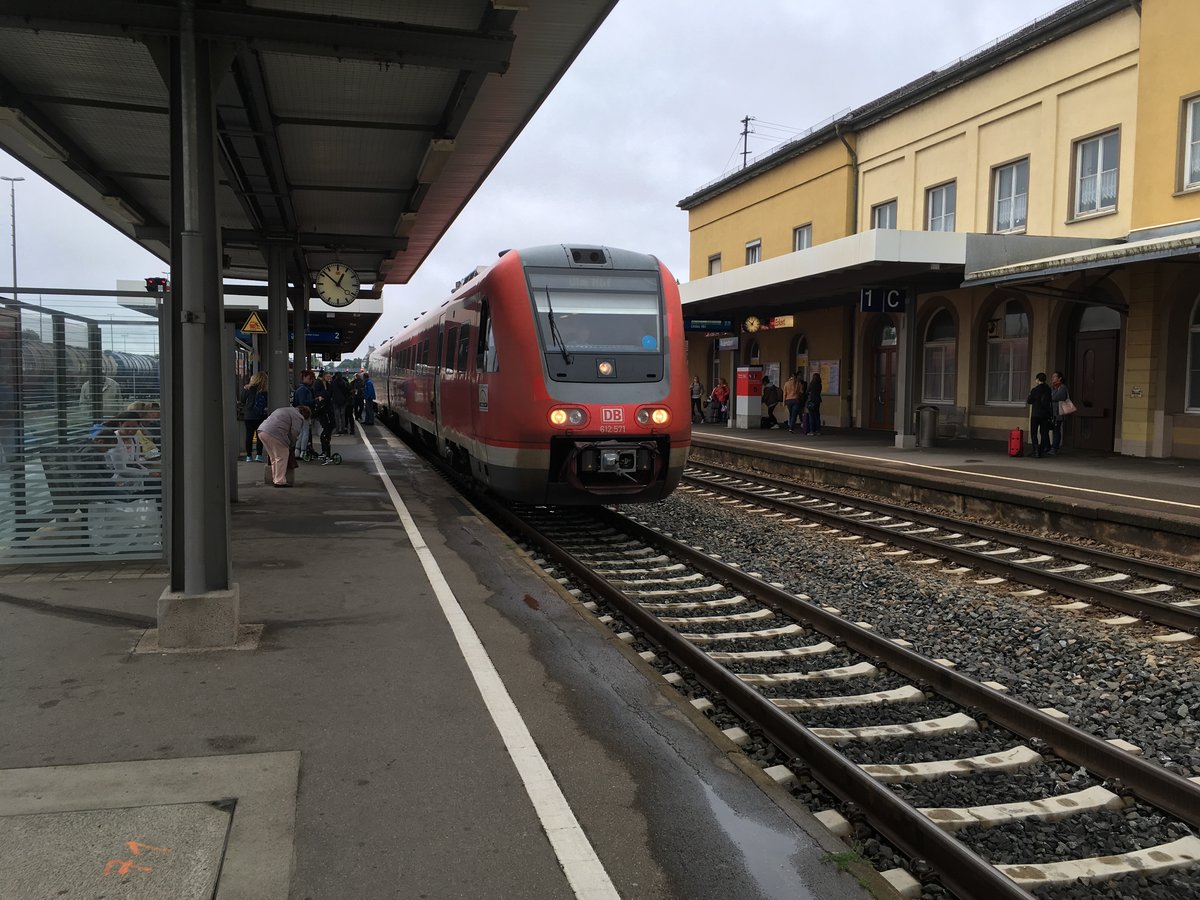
x: 556, y: 376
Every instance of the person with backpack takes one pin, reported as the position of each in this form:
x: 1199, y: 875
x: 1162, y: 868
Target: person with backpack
x: 253, y: 405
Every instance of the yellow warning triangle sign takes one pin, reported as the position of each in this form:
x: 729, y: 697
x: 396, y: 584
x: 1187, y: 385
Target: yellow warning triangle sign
x: 254, y: 325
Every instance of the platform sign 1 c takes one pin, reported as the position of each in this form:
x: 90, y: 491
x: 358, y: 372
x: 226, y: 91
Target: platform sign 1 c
x: 882, y: 299
x: 254, y: 325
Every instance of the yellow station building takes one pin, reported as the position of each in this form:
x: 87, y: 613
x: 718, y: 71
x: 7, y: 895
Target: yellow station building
x: 1032, y: 207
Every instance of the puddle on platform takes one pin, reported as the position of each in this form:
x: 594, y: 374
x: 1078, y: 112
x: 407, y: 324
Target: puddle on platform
x: 768, y: 853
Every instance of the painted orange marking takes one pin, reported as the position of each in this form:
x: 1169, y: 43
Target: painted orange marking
x: 136, y: 848
x: 124, y: 867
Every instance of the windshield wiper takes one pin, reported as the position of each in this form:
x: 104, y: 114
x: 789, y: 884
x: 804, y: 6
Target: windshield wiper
x: 555, y: 335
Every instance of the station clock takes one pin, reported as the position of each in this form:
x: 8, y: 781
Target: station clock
x: 337, y: 284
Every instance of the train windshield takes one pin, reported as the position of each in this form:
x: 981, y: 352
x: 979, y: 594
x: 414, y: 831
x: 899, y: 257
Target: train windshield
x: 598, y: 312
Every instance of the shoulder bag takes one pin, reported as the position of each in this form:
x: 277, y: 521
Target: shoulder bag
x: 1066, y: 407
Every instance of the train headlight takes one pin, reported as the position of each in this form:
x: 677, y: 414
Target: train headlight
x: 567, y: 417
x: 606, y: 368
x: 653, y: 415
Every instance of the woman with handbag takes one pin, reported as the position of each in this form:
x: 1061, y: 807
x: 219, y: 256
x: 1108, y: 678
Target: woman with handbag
x: 1063, y: 407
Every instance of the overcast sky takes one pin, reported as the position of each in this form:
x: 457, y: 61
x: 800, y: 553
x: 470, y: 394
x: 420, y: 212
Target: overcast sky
x: 650, y: 111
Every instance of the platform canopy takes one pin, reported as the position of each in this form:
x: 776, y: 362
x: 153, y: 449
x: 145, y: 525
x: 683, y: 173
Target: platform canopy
x: 352, y: 129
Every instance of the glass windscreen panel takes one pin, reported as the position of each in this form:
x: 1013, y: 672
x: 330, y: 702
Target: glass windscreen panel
x: 598, y: 312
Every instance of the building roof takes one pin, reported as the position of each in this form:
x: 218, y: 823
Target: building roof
x: 1067, y: 20
x: 354, y: 129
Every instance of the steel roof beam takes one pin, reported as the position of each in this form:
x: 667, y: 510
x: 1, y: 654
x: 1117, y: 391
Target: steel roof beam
x: 346, y: 243
x: 310, y: 35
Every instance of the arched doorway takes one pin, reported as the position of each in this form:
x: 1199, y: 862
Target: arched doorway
x: 881, y: 374
x: 1093, y: 384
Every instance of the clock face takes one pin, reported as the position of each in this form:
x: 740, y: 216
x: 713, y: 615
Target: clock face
x: 752, y: 324
x: 337, y: 284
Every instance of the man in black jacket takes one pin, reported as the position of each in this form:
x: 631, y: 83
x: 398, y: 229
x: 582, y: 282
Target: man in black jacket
x: 1041, y: 415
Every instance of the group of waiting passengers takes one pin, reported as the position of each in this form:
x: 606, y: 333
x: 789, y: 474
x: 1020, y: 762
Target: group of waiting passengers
x: 329, y: 398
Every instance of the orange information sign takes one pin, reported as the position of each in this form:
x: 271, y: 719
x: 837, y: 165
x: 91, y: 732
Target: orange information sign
x: 254, y: 325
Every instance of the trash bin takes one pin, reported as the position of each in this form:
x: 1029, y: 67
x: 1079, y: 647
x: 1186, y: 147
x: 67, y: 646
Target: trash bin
x: 927, y: 418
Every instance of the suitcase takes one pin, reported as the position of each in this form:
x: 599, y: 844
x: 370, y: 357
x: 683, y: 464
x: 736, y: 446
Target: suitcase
x: 1016, y: 442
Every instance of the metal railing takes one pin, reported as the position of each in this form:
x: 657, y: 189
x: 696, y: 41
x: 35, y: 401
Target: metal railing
x: 80, y: 441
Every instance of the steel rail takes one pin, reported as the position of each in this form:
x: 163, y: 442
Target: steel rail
x: 1182, y: 618
x: 962, y: 871
x: 1154, y: 784
x: 1164, y: 572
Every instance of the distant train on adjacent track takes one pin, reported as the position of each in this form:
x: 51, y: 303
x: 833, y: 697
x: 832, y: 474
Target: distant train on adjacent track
x: 556, y: 376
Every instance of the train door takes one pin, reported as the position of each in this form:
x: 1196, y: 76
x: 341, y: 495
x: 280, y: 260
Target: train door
x: 1093, y: 384
x: 483, y: 364
x: 881, y: 409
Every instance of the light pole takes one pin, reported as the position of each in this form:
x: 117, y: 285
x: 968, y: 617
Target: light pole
x: 12, y: 194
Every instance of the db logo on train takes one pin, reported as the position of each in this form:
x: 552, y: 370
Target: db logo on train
x: 612, y: 415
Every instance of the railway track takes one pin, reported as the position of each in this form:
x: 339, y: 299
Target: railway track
x: 1137, y: 589
x: 844, y: 704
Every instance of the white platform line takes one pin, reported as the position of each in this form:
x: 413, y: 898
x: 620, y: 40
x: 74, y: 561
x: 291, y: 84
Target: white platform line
x: 578, y: 859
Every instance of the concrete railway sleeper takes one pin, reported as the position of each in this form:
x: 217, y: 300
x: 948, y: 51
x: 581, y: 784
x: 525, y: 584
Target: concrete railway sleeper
x: 782, y: 663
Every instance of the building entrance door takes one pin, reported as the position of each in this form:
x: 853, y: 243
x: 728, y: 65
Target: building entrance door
x: 1094, y: 391
x: 881, y: 406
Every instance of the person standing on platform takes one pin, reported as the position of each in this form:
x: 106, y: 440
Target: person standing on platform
x: 304, y: 396
x: 340, y: 391
x: 254, y: 410
x: 356, y: 402
x: 812, y: 404
x: 697, y: 400
x: 368, y: 399
x: 323, y: 411
x: 793, y: 399
x: 720, y: 396
x: 1058, y: 393
x: 278, y: 434
x: 1041, y: 414
x: 770, y: 398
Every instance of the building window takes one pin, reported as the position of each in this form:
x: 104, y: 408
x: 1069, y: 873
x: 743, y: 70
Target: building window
x: 940, y: 204
x: 1008, y: 355
x: 884, y: 215
x: 1193, y: 382
x: 1011, y: 190
x: 714, y: 265
x: 940, y: 359
x: 753, y: 252
x: 1096, y: 161
x: 1191, y: 141
x: 802, y: 237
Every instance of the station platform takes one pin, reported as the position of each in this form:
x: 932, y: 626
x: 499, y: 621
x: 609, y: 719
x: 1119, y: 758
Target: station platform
x: 1141, y: 495
x: 423, y: 715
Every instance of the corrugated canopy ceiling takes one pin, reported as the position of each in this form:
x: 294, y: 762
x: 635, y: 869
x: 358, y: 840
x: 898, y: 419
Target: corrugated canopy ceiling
x: 356, y: 129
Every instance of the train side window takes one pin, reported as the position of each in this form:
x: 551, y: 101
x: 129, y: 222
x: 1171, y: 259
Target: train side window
x: 464, y: 347
x: 486, y: 353
x: 451, y: 348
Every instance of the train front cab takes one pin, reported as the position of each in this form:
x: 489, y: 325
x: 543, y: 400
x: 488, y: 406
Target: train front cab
x: 584, y: 400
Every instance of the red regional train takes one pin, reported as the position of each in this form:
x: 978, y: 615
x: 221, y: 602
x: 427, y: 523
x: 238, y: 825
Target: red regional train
x: 556, y: 376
